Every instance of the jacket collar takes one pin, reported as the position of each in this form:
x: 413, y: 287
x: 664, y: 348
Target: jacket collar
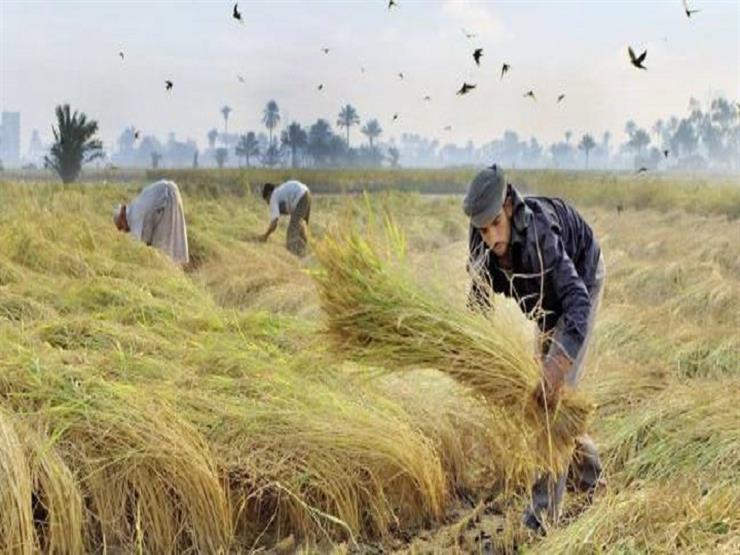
x: 521, y: 216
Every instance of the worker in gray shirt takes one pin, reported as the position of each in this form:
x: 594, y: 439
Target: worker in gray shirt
x: 156, y: 218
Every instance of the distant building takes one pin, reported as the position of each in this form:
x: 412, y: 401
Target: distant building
x: 10, y: 138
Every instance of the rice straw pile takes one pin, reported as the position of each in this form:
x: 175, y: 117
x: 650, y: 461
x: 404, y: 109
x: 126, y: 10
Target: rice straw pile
x: 378, y: 316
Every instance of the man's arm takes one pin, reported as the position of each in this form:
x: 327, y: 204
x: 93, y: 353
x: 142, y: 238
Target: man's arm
x: 573, y: 324
x: 272, y: 227
x: 274, y: 215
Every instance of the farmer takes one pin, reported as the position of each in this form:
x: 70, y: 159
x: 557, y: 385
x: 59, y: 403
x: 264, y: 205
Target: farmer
x: 156, y: 218
x: 542, y: 253
x: 293, y: 198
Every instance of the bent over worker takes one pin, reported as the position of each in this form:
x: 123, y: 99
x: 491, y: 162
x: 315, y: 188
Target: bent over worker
x: 541, y: 252
x: 156, y: 218
x: 291, y: 198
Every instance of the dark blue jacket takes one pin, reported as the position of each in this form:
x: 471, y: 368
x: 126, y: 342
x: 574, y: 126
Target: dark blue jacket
x: 554, y: 257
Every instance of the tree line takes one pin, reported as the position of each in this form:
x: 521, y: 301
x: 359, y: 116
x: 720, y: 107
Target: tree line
x: 317, y: 145
x: 704, y: 139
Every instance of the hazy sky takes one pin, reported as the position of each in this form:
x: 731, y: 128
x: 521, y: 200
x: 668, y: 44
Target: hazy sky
x: 63, y: 51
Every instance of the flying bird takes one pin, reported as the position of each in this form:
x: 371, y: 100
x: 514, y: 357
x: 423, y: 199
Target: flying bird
x: 643, y: 169
x: 448, y: 128
x: 168, y: 85
x: 477, y: 55
x: 504, y: 70
x: 391, y: 4
x: 120, y: 54
x: 530, y: 94
x: 325, y: 50
x: 395, y: 117
x: 136, y: 134
x: 401, y: 75
x: 469, y: 35
x: 236, y: 14
x: 362, y: 69
x: 666, y: 153
x: 465, y: 89
x: 241, y: 79
x: 321, y: 87
x: 688, y: 11
x: 427, y: 98
x: 561, y: 97
x: 635, y: 60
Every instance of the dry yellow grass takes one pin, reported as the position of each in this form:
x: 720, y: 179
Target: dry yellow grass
x: 147, y: 409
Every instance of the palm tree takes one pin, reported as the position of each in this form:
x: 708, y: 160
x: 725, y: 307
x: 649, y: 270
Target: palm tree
x: 271, y: 157
x: 347, y: 118
x: 248, y: 146
x: 221, y: 155
x: 587, y: 143
x: 319, y: 141
x: 212, y: 136
x: 271, y: 117
x: 568, y: 135
x: 225, y: 111
x: 372, y: 131
x: 295, y: 137
x: 74, y: 144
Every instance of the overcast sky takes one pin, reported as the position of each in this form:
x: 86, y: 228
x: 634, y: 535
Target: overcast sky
x: 63, y: 51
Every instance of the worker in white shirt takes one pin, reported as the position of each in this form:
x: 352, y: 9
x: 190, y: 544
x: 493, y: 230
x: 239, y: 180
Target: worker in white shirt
x: 156, y: 218
x: 291, y: 198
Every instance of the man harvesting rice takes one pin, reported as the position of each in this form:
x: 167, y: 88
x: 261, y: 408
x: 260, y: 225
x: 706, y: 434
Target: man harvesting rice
x: 542, y: 253
x: 291, y: 198
x: 156, y: 218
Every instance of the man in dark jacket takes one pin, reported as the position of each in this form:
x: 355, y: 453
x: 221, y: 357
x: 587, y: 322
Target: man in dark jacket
x: 542, y: 253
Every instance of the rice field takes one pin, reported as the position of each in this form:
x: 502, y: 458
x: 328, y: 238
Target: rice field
x: 229, y: 409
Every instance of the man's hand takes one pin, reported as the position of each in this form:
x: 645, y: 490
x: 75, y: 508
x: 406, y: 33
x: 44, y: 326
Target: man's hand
x: 547, y: 392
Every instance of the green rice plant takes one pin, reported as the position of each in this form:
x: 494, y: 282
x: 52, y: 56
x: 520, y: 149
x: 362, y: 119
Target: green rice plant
x: 376, y: 315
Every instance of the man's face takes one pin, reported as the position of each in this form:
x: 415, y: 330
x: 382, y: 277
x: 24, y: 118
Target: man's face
x: 497, y: 234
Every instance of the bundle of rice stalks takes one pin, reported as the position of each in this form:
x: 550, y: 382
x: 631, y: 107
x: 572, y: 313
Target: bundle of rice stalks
x: 42, y: 506
x: 377, y: 315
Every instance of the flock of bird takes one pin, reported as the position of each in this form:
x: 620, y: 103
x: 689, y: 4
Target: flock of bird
x: 636, y: 60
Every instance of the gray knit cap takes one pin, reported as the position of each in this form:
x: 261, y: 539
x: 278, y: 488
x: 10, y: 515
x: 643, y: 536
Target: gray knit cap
x: 485, y: 196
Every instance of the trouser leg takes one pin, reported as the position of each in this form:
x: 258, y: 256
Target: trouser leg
x: 585, y: 467
x: 297, y: 227
x: 546, y: 496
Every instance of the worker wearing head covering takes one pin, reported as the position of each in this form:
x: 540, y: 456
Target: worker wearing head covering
x: 156, y: 218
